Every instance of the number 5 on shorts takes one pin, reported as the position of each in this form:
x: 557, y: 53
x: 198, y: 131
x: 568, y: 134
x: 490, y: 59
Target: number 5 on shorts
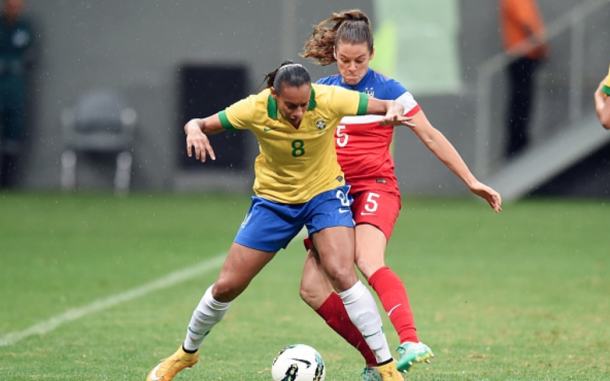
x: 371, y: 202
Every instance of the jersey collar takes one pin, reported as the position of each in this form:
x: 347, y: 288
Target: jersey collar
x: 272, y: 104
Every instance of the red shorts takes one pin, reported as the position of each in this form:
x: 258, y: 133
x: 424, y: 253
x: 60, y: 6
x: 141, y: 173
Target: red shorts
x: 376, y: 208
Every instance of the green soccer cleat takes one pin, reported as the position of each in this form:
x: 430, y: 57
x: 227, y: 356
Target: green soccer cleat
x: 371, y: 374
x: 169, y: 367
x: 412, y: 353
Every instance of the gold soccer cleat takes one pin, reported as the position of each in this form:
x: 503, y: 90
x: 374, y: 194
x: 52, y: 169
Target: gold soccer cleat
x: 388, y: 372
x: 169, y: 367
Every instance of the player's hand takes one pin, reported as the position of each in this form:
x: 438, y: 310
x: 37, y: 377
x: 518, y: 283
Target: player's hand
x: 197, y: 142
x: 397, y: 120
x: 599, y: 91
x: 492, y: 197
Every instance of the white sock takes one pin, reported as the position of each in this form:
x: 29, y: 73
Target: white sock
x: 363, y: 312
x: 208, y: 313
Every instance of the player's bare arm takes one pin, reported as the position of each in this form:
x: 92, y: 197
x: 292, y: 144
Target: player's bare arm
x: 602, y: 105
x: 394, y: 112
x: 444, y: 150
x: 493, y: 198
x: 197, y: 142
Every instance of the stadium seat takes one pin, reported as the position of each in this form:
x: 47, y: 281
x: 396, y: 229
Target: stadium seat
x: 100, y: 122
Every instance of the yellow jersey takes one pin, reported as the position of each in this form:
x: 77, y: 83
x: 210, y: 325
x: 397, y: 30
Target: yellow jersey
x: 606, y: 86
x: 295, y: 165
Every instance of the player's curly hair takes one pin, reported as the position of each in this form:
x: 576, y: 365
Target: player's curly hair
x: 290, y: 73
x: 352, y: 27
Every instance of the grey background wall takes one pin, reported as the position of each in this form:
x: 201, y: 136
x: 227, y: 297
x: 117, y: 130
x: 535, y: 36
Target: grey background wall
x: 137, y: 48
x: 455, y: 114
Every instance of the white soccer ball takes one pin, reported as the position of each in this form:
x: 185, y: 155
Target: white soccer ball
x: 298, y: 362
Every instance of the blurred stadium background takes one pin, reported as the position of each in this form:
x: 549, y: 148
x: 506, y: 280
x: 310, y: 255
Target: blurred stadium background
x: 448, y: 52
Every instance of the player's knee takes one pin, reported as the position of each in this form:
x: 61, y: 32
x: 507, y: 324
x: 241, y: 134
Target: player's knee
x: 342, y: 277
x: 315, y: 294
x: 308, y: 294
x: 368, y: 268
x: 226, y: 291
x: 368, y: 264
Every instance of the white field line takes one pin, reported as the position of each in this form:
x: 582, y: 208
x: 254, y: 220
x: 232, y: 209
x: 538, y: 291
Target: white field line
x: 111, y: 301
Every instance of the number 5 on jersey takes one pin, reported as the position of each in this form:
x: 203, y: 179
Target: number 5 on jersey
x: 342, y: 137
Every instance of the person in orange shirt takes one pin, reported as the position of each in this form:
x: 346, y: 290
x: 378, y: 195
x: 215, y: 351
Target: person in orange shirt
x: 524, y: 39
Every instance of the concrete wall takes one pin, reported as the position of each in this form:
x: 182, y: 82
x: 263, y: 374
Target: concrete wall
x: 137, y: 47
x: 455, y: 114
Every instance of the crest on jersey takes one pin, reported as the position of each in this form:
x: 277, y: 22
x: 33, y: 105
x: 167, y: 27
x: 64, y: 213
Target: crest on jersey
x: 321, y: 124
x: 369, y: 91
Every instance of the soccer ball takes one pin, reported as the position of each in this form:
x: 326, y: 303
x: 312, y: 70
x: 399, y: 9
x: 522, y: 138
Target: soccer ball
x: 298, y: 362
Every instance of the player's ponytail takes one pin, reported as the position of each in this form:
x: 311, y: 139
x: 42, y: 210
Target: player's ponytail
x: 289, y: 73
x: 351, y: 27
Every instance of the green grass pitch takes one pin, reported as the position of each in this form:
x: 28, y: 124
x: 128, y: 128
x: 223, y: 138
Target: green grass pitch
x: 522, y: 295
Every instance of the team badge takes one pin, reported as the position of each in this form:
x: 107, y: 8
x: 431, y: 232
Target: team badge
x: 369, y: 91
x: 321, y: 124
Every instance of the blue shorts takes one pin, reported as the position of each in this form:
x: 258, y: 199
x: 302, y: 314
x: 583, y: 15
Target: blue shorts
x: 270, y: 226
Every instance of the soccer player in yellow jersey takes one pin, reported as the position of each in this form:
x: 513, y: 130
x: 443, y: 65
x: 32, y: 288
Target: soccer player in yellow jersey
x: 602, y: 103
x: 298, y: 182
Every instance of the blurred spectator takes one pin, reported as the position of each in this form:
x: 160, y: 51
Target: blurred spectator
x: 602, y: 102
x: 524, y: 39
x: 16, y: 58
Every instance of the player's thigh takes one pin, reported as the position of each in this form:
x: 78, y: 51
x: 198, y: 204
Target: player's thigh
x: 328, y: 209
x: 375, y: 213
x: 330, y: 225
x: 336, y: 248
x: 315, y: 286
x: 241, y: 265
x: 269, y: 226
x: 370, y: 249
x: 377, y: 208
